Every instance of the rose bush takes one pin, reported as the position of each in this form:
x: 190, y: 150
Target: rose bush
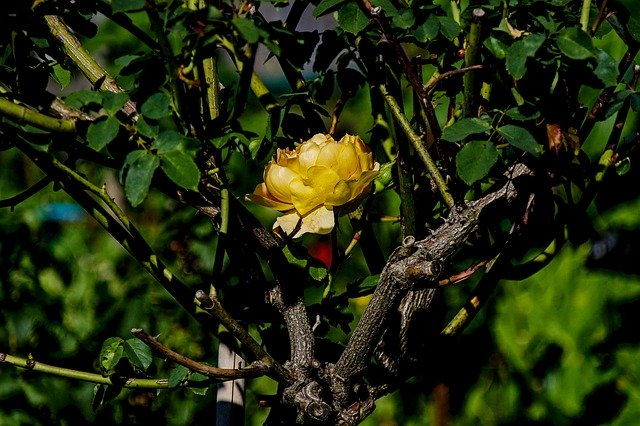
x: 315, y: 180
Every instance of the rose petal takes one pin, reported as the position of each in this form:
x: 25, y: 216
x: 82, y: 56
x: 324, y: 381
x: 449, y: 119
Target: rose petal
x: 262, y: 197
x: 342, y: 193
x: 318, y: 221
x: 277, y: 179
x: 309, y: 192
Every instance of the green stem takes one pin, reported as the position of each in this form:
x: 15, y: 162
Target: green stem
x: 470, y: 59
x: 266, y: 99
x: 22, y: 114
x: 83, y: 60
x: 419, y: 146
x: 30, y: 364
x: 584, y: 15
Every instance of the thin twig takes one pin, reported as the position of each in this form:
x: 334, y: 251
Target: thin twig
x: 441, y: 77
x: 32, y: 190
x: 256, y: 369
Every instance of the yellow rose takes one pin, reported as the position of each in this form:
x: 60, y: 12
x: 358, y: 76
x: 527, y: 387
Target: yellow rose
x: 311, y: 180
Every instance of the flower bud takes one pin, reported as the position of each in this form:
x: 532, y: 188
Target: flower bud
x: 317, y: 178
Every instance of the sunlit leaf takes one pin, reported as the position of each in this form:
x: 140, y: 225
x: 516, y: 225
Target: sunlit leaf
x: 110, y: 354
x: 351, y: 18
x: 177, y: 375
x: 247, y: 29
x: 475, y: 160
x: 326, y: 6
x: 138, y: 353
x: 575, y: 43
x: 460, y: 129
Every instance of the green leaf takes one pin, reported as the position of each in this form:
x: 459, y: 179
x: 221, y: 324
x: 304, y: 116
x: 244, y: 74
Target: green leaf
x: 318, y: 273
x: 145, y: 129
x: 169, y: 140
x: 475, y: 160
x: 61, y: 75
x: 351, y: 18
x: 520, y: 51
x: 110, y: 354
x: 496, y: 47
x: 100, y: 133
x: 141, y: 167
x: 247, y: 29
x: 156, y: 106
x: 180, y: 168
x: 575, y: 43
x: 126, y: 5
x: 177, y: 375
x: 606, y: 69
x: 113, y: 102
x: 428, y: 30
x: 326, y: 6
x: 138, y: 353
x: 463, y: 128
x: 83, y: 98
x: 448, y: 27
x: 615, y: 102
x: 520, y: 138
x: 404, y: 20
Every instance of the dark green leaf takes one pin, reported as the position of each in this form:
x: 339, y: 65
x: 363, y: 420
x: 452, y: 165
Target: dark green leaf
x: 169, y: 140
x: 351, y: 18
x: 110, y: 354
x: 606, y: 69
x: 448, y: 27
x: 141, y: 167
x: 180, y: 168
x: 326, y: 6
x: 138, y: 353
x: 575, y: 43
x: 428, y: 30
x: 100, y: 133
x: 177, y: 375
x: 520, y: 51
x: 475, y: 160
x: 247, y: 29
x: 404, y: 20
x: 520, y: 138
x: 145, y: 129
x: 83, y: 98
x: 616, y: 101
x: 126, y: 5
x: 157, y: 106
x: 463, y: 128
x: 363, y: 287
x: 113, y: 102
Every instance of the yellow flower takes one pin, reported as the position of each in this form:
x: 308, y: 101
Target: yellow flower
x: 309, y: 182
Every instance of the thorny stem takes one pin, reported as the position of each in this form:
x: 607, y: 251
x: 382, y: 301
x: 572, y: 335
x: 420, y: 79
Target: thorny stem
x: 471, y: 56
x: 89, y: 67
x: 418, y: 145
x: 584, y: 15
x: 409, y: 70
x: 22, y: 114
x: 128, y: 236
x: 31, y: 364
